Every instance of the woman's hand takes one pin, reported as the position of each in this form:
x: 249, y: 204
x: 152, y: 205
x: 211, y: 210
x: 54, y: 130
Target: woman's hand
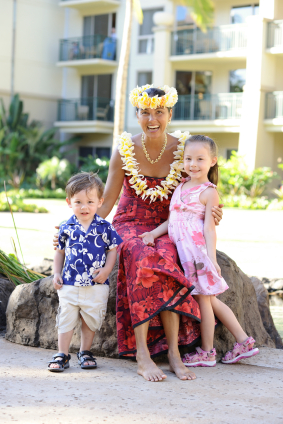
x: 147, y: 238
x: 217, y: 213
x: 55, y: 238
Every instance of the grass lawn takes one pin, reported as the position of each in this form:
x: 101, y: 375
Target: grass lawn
x: 254, y: 239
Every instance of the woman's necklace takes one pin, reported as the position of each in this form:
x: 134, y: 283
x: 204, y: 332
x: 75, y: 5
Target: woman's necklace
x: 146, y: 153
x: 138, y: 181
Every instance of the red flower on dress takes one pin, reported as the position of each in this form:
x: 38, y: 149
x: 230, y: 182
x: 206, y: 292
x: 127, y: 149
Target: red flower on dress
x: 167, y: 265
x: 130, y: 340
x: 145, y: 275
x: 138, y: 309
x: 210, y: 279
x: 198, y: 238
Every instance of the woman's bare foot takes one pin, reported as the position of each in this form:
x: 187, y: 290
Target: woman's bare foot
x: 177, y: 366
x: 148, y: 369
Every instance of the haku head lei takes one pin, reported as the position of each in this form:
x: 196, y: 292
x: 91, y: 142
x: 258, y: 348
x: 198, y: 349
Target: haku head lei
x: 140, y: 98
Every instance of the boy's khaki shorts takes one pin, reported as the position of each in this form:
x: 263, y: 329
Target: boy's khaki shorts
x: 89, y: 301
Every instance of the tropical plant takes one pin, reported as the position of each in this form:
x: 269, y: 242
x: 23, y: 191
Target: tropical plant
x: 23, y: 144
x: 236, y: 179
x: 202, y: 13
x: 11, y: 268
x: 100, y: 166
x: 53, y: 170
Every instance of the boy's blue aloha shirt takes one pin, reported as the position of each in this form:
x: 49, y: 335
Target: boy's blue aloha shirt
x: 85, y: 251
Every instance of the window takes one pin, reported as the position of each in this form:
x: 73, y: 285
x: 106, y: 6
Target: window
x: 144, y: 78
x: 237, y: 80
x: 193, y: 82
x: 241, y: 13
x: 96, y: 103
x: 100, y: 152
x: 146, y: 37
x: 99, y: 25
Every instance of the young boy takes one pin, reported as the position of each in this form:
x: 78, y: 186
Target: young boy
x: 88, y: 244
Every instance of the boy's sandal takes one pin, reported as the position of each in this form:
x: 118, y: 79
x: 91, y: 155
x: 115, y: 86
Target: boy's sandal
x: 200, y: 358
x: 240, y: 351
x: 63, y: 363
x: 89, y: 358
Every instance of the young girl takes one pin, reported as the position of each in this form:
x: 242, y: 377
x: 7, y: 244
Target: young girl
x: 191, y: 227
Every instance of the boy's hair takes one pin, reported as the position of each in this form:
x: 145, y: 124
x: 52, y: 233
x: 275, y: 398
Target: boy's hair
x: 213, y: 174
x: 84, y: 181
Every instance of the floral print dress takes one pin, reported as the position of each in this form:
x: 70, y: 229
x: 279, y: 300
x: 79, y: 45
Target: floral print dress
x: 186, y: 224
x: 149, y: 278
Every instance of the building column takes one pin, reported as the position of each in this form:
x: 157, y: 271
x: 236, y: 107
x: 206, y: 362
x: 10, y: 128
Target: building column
x: 255, y: 143
x: 162, y: 42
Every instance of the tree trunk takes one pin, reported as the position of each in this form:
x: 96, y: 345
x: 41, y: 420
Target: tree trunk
x: 122, y: 74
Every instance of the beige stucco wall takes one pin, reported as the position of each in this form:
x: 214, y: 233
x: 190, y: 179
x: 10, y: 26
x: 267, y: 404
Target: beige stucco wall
x: 37, y: 80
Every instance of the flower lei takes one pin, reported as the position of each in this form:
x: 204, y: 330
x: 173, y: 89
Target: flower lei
x: 139, y: 98
x: 138, y: 181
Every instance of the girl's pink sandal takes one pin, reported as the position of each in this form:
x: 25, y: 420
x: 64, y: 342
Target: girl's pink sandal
x: 240, y: 351
x: 200, y: 358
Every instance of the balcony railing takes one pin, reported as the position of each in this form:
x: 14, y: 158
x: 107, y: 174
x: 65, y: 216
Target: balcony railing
x: 218, y: 39
x: 208, y: 107
x: 274, y: 105
x: 86, y: 109
x: 88, y: 47
x: 275, y: 34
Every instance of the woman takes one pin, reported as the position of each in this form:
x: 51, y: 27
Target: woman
x: 155, y: 312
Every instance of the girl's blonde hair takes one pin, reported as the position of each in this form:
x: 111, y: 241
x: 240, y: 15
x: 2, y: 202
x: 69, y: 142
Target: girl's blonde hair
x: 213, y: 174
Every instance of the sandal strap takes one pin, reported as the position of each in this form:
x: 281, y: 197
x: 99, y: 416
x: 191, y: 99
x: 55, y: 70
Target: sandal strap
x: 61, y: 355
x: 86, y: 352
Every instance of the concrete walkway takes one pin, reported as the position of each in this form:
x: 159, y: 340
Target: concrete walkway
x: 248, y: 392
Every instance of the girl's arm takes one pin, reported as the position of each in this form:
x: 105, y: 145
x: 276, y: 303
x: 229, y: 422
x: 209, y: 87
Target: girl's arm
x: 210, y: 198
x: 148, y: 237
x: 59, y: 259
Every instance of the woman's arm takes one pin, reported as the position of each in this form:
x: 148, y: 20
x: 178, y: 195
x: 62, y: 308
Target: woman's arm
x: 113, y: 185
x: 210, y: 198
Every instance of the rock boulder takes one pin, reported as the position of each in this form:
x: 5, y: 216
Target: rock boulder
x: 32, y: 309
x: 6, y: 288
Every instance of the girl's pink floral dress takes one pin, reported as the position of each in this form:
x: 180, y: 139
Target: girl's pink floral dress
x: 186, y: 223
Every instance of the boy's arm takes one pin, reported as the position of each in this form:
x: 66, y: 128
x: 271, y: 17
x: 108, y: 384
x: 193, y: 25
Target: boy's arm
x: 101, y: 274
x: 58, y: 263
x: 211, y: 199
x: 148, y: 237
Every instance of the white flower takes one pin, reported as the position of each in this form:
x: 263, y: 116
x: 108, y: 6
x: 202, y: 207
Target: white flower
x: 105, y: 239
x: 74, y: 252
x: 90, y: 255
x: 67, y: 275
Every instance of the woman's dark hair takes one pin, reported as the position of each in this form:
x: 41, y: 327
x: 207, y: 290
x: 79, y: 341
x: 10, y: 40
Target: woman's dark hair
x: 213, y: 174
x: 154, y: 92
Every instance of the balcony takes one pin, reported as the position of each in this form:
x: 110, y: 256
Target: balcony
x: 208, y: 112
x: 87, y: 51
x: 274, y: 43
x: 224, y: 42
x: 274, y: 111
x: 91, y: 6
x: 86, y: 115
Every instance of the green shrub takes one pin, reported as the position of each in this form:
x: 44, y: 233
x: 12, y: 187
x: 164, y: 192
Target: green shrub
x: 101, y: 166
x: 18, y: 205
x: 53, y: 171
x: 237, y: 179
x: 31, y: 193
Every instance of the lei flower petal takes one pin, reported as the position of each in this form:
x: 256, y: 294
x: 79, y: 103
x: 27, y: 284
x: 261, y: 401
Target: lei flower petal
x: 138, y: 181
x: 140, y: 99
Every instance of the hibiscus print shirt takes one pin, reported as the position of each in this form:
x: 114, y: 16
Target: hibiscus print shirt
x: 85, y: 251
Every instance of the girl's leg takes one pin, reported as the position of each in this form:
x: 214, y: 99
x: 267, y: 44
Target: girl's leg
x: 86, y: 339
x: 207, y: 324
x: 226, y: 316
x: 146, y: 367
x: 171, y: 322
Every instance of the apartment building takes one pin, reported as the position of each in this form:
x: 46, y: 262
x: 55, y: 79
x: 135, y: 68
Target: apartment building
x: 228, y: 79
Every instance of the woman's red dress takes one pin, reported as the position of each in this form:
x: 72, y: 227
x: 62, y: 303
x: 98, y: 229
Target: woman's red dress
x: 149, y: 278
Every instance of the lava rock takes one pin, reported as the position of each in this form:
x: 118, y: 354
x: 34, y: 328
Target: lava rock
x: 6, y: 288
x: 45, y: 267
x: 263, y: 306
x: 32, y: 310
